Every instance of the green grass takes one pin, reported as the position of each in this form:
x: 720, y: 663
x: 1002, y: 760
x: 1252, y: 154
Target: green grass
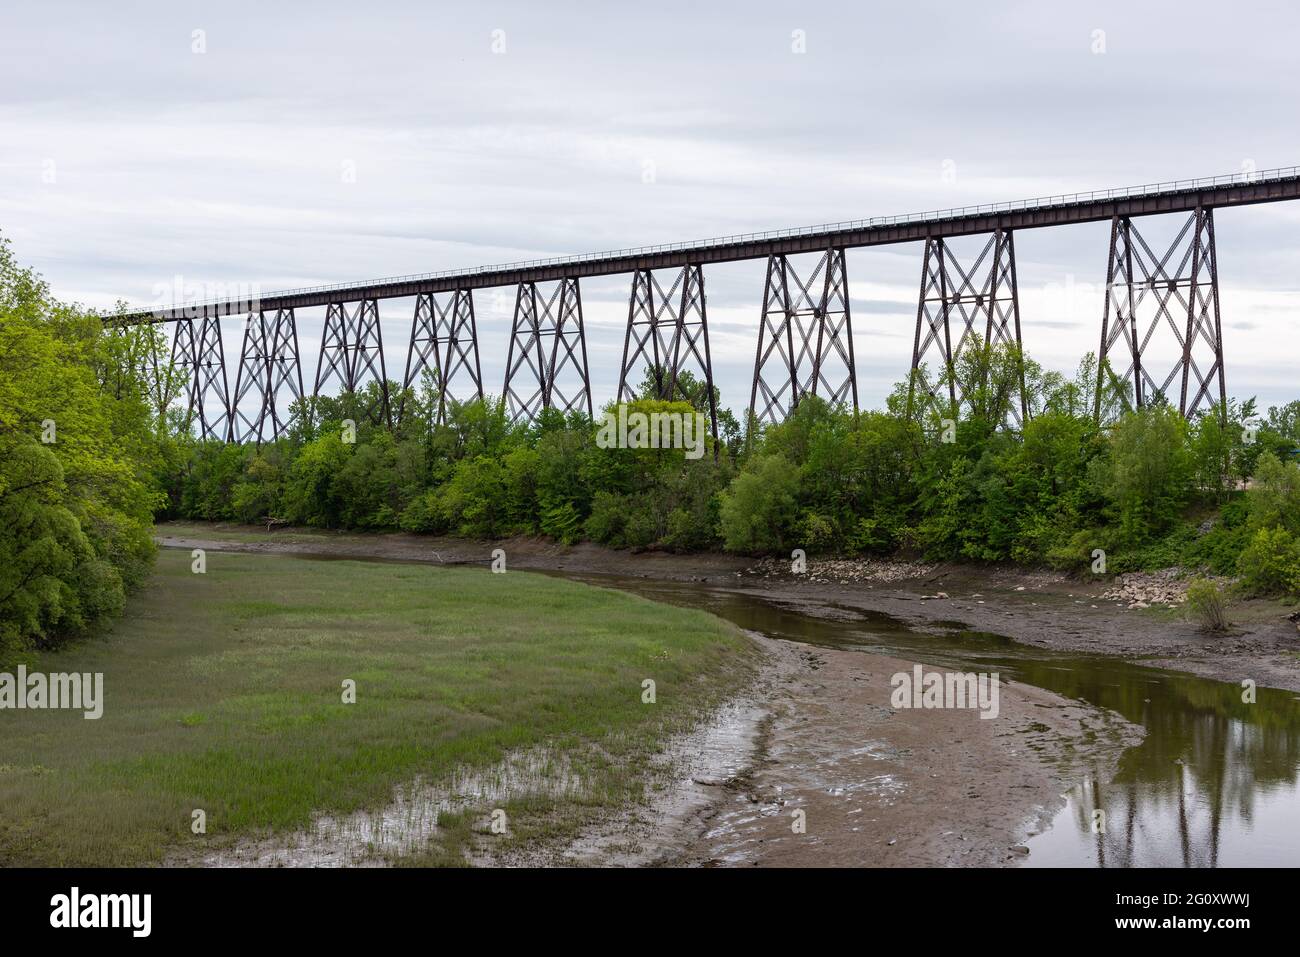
x: 223, y: 692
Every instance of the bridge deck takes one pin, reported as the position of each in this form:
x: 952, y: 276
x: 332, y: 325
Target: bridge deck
x: 1220, y: 191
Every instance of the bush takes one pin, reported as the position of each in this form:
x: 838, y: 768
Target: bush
x: 1274, y: 498
x: 870, y: 536
x: 1270, y: 564
x: 1150, y: 471
x: 608, y: 519
x: 759, y: 510
x: 562, y: 523
x: 1207, y: 605
x: 423, y: 514
x: 474, y: 501
x: 816, y: 532
x: 311, y: 496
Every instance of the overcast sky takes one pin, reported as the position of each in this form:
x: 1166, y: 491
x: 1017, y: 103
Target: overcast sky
x: 268, y: 145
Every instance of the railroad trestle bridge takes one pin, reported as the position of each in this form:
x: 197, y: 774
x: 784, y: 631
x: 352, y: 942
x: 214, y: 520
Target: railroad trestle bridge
x: 805, y: 333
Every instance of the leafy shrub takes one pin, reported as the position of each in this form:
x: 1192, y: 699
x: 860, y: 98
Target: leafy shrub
x: 816, y: 532
x: 1274, y: 498
x: 1270, y: 564
x: 1150, y: 471
x: 608, y: 520
x: 1207, y: 604
x: 310, y: 494
x: 76, y: 507
x: 691, y: 529
x: 870, y: 536
x: 760, y: 508
x: 474, y: 501
x: 423, y: 514
x: 562, y: 522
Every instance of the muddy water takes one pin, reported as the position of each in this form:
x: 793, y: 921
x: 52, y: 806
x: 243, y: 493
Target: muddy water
x: 1216, y: 782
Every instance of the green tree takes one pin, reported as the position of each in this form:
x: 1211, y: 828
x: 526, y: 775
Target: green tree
x: 760, y: 510
x: 80, y: 442
x: 1150, y: 471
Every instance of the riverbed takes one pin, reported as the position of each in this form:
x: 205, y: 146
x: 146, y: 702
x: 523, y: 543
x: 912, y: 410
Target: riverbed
x: 1140, y: 765
x: 1213, y: 781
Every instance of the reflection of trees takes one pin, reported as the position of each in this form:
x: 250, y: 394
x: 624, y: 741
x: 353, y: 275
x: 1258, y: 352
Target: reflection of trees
x: 1206, y: 756
x: 1196, y: 770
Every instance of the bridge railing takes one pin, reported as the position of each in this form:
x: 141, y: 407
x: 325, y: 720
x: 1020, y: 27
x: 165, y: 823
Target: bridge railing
x: 956, y: 212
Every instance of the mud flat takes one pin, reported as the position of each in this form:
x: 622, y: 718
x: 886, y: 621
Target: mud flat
x: 871, y: 785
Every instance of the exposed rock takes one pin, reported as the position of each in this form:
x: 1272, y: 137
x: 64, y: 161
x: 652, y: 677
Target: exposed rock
x: 841, y: 571
x: 1166, y: 587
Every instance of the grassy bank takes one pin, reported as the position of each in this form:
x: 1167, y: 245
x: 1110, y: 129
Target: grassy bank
x: 223, y: 691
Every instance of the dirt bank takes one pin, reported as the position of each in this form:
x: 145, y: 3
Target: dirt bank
x: 1042, y: 609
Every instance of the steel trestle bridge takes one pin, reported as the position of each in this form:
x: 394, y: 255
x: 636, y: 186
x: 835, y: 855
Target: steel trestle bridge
x: 805, y: 344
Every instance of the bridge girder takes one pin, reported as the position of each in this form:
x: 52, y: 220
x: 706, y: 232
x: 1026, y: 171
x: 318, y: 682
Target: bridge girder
x: 1184, y: 298
x: 1241, y: 189
x: 352, y: 352
x: 668, y: 334
x: 984, y: 298
x: 202, y: 355
x: 805, y: 338
x: 541, y: 376
x: 268, y: 362
x: 444, y: 342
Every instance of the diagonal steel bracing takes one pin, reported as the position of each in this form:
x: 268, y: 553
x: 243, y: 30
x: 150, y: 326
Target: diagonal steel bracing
x: 352, y: 351
x: 668, y: 334
x: 652, y: 323
x: 1178, y: 291
x: 202, y: 356
x: 805, y: 338
x: 982, y: 301
x: 546, y: 366
x: 268, y: 363
x: 444, y: 341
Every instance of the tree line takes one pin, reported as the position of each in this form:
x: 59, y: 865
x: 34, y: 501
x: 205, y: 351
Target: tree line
x: 920, y: 477
x: 924, y: 476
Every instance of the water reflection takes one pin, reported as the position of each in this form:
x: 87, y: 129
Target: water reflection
x: 1214, y: 783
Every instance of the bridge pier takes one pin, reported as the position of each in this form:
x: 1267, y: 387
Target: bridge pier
x: 268, y: 360
x: 668, y: 333
x: 444, y: 340
x: 1185, y: 298
x: 352, y: 350
x: 805, y: 338
x: 538, y: 377
x: 977, y: 299
x: 203, y: 357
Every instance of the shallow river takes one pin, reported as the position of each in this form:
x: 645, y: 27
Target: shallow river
x: 1216, y: 782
